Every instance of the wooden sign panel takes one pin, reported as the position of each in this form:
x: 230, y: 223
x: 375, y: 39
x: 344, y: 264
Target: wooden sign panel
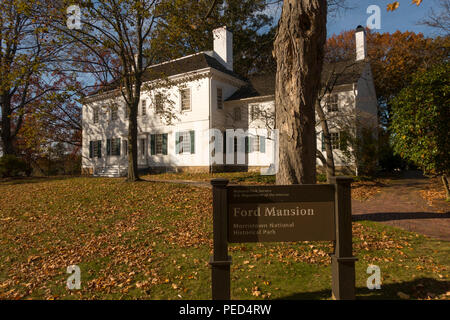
x: 281, y: 213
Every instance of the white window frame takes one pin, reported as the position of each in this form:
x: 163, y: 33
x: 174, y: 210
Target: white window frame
x: 144, y: 107
x: 184, y: 141
x: 96, y: 114
x: 181, y: 99
x: 332, y: 102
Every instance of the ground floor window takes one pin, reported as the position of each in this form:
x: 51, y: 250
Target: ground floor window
x: 158, y: 144
x: 113, y: 147
x: 185, y: 142
x: 95, y: 149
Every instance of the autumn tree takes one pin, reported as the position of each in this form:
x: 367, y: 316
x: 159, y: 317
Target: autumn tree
x: 27, y: 50
x: 299, y: 52
x: 420, y: 125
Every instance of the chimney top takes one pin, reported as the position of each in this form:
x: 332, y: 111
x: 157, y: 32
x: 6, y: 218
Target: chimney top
x: 360, y: 40
x: 223, y: 46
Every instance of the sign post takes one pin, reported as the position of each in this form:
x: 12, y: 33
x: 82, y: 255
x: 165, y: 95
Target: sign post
x: 220, y: 261
x: 283, y: 213
x: 342, y: 261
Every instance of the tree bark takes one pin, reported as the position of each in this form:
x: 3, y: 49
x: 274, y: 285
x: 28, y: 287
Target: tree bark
x: 133, y: 173
x: 446, y: 186
x: 299, y: 52
x: 327, y: 142
x: 6, y: 135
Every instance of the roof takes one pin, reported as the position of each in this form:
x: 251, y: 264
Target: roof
x: 182, y: 65
x: 338, y: 73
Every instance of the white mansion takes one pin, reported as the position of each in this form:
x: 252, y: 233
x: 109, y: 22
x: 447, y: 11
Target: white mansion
x: 209, y: 95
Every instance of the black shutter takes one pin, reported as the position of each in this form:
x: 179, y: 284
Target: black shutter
x: 192, y: 133
x: 164, y: 144
x: 99, y: 148
x: 108, y: 147
x: 152, y: 145
x: 91, y: 149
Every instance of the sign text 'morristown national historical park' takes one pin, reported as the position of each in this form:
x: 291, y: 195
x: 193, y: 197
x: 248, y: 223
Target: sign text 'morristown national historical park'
x: 280, y: 213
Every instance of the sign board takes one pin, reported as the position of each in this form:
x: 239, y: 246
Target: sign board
x: 283, y: 213
x: 280, y: 213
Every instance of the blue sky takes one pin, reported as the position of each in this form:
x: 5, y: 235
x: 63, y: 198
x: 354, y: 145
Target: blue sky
x: 404, y: 18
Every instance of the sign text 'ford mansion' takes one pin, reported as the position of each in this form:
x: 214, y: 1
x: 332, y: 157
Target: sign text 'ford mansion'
x: 277, y: 213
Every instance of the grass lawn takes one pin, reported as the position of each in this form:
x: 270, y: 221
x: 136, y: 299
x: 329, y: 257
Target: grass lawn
x: 150, y: 240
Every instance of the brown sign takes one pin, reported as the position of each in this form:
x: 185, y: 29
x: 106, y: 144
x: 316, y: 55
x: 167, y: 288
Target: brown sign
x: 281, y: 213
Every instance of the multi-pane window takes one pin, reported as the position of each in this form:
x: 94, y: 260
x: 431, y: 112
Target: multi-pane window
x: 158, y: 144
x: 159, y: 103
x: 114, y: 113
x: 219, y: 98
x: 96, y: 111
x: 254, y: 111
x: 237, y: 114
x: 113, y: 147
x: 185, y: 99
x: 332, y: 103
x: 143, y: 107
x: 185, y: 142
x: 334, y: 137
x: 95, y: 149
x: 255, y: 143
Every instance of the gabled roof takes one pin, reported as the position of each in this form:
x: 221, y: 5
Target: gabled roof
x: 338, y: 73
x: 182, y: 65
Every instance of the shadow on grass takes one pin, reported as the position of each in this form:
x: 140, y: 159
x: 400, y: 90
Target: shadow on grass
x: 416, y: 289
x: 26, y: 180
x: 389, y: 216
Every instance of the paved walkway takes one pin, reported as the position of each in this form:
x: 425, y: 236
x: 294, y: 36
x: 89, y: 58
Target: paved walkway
x: 400, y: 204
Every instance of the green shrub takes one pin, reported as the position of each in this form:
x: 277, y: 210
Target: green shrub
x: 12, y: 166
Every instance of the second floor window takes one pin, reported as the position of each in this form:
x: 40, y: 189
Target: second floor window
x: 144, y: 107
x: 159, y: 103
x: 185, y: 99
x: 254, y: 112
x: 237, y: 114
x: 219, y: 98
x: 96, y: 112
x: 334, y: 137
x: 332, y: 103
x: 114, y: 114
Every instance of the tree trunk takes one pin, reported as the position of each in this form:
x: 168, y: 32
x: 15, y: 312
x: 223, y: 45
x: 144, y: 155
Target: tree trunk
x: 299, y: 51
x: 327, y: 141
x: 446, y: 186
x: 6, y: 136
x: 133, y: 173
